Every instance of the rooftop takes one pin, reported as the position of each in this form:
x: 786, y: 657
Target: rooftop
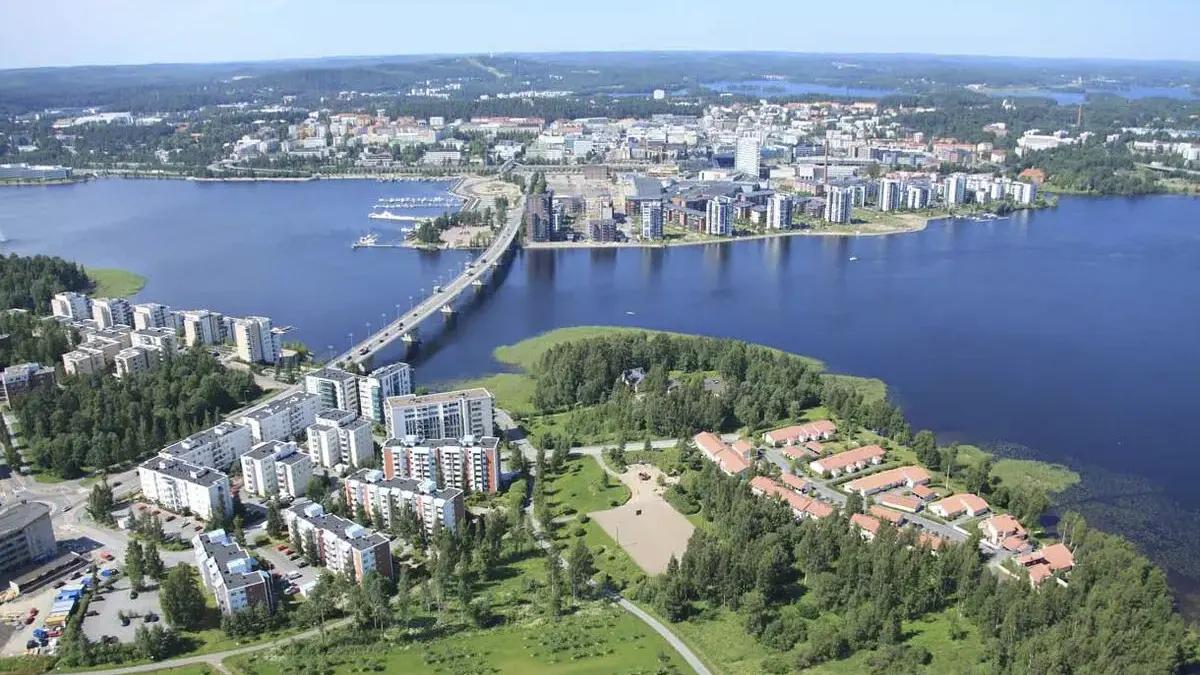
x: 21, y: 515
x: 179, y: 469
x: 279, y: 406
x: 439, y: 397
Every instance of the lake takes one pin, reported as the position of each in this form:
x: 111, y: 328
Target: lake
x: 1070, y: 334
x: 770, y: 88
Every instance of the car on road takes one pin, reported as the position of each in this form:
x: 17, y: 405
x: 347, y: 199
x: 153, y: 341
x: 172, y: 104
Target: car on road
x: 170, y: 518
x: 198, y: 527
x: 362, y: 351
x: 294, y: 575
x: 67, y: 508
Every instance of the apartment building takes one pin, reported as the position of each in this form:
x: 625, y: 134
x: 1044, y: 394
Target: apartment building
x: 451, y: 414
x: 468, y: 464
x: 231, y: 573
x: 339, y: 437
x: 335, y: 387
x: 109, y: 312
x: 839, y: 204
x: 718, y: 220
x: 257, y: 340
x: 381, y: 384
x: 21, y: 378
x: 342, y: 545
x: 152, y: 315
x: 385, y: 499
x: 203, y: 327
x: 275, y: 468
x: 134, y: 360
x: 779, y: 212
x: 217, y: 447
x: 71, y: 305
x: 181, y: 486
x: 652, y: 222
x: 162, y: 339
x: 282, y: 419
x: 26, y: 535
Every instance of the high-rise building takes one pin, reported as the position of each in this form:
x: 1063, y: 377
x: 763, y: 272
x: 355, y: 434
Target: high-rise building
x: 381, y: 383
x: 276, y: 468
x: 340, y: 437
x: 386, y: 499
x: 918, y: 197
x: 451, y: 414
x: 26, y: 535
x: 21, y: 378
x: 839, y: 204
x: 231, y: 574
x: 202, y: 327
x: 217, y: 447
x: 335, y: 387
x: 256, y: 340
x: 718, y: 220
x: 152, y: 315
x: 133, y: 360
x: 161, y: 340
x: 889, y: 194
x: 342, y: 545
x: 956, y: 189
x: 652, y: 222
x: 71, y: 305
x: 109, y: 312
x: 539, y: 214
x: 469, y: 464
x: 779, y: 212
x: 746, y: 156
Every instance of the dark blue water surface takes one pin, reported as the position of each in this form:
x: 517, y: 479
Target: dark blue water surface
x: 1074, y: 331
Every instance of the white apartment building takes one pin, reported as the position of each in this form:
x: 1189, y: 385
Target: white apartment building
x: 71, y: 305
x: 718, y: 219
x: 202, y: 327
x: 652, y: 222
x: 451, y: 414
x: 335, y: 387
x: 917, y: 197
x: 256, y: 340
x: 84, y: 361
x: 839, y: 204
x: 746, y: 156
x: 161, y: 339
x: 340, y: 437
x: 342, y: 545
x: 889, y: 194
x: 217, y: 447
x: 469, y: 464
x: 385, y: 498
x: 109, y: 312
x: 956, y: 189
x: 779, y: 212
x: 231, y: 573
x: 282, y: 419
x: 133, y: 360
x: 276, y: 468
x: 152, y: 315
x: 382, y: 383
x: 181, y: 486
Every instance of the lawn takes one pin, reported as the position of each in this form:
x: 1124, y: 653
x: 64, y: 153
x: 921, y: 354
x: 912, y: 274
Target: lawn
x: 115, y: 283
x: 596, y: 640
x: 513, y: 391
x: 1050, y: 477
x: 950, y: 657
x: 585, y: 487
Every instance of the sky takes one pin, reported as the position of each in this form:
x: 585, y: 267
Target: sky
x: 89, y: 32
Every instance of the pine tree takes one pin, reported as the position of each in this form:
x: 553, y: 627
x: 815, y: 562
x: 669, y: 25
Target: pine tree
x: 275, y: 524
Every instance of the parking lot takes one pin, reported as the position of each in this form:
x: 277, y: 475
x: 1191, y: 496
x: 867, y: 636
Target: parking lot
x: 281, y: 564
x: 108, y: 604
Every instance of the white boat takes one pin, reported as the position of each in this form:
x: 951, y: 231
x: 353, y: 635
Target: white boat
x: 853, y: 258
x: 367, y: 240
x: 388, y: 215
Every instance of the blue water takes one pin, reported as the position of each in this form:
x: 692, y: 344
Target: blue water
x: 770, y: 88
x: 1073, y: 331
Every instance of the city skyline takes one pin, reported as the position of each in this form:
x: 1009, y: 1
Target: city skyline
x: 64, y: 33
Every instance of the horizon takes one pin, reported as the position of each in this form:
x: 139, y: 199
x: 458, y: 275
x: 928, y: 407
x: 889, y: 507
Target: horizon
x: 62, y: 33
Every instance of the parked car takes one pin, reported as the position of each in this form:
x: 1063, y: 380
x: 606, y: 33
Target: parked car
x: 170, y: 518
x: 124, y: 621
x: 302, y: 563
x: 281, y: 547
x: 29, y: 619
x: 293, y: 575
x: 198, y: 528
x: 60, y: 583
x: 150, y: 618
x: 291, y: 590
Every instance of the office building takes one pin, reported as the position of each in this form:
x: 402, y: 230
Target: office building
x: 652, y: 221
x: 109, y: 312
x: 339, y: 438
x: 718, y: 217
x: 469, y: 464
x: 386, y: 499
x: 152, y: 315
x: 839, y: 204
x: 451, y: 414
x: 539, y: 212
x: 379, y: 385
x: 203, y: 327
x: 889, y: 195
x: 217, y: 447
x: 23, y: 171
x: 276, y: 469
x: 231, y: 574
x: 342, y: 545
x: 21, y: 378
x: 181, y: 486
x: 134, y: 360
x: 26, y: 535
x: 779, y: 212
x: 256, y: 340
x: 282, y: 419
x: 956, y: 189
x: 335, y: 387
x: 746, y: 156
x: 71, y: 305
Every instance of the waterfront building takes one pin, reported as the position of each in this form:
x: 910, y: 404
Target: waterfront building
x: 539, y: 211
x: 21, y: 378
x: 23, y: 171
x: 652, y: 222
x: 71, y: 305
x: 956, y: 189
x: 917, y: 197
x: 469, y: 464
x: 342, y: 545
x: 256, y: 340
x: 385, y: 499
x: 379, y: 385
x: 152, y: 315
x: 231, y: 574
x: 451, y: 414
x: 746, y: 156
x: 181, y: 486
x: 718, y: 219
x: 889, y: 194
x: 283, y: 418
x: 161, y: 340
x: 26, y: 535
x: 216, y: 447
x: 839, y: 205
x: 276, y: 469
x: 109, y: 312
x: 779, y: 212
x: 335, y: 387
x: 203, y: 327
x: 339, y: 437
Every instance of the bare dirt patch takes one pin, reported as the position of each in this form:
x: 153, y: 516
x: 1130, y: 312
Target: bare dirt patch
x: 647, y: 527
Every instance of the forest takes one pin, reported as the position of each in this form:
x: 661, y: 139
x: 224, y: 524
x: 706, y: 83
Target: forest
x: 29, y: 282
x: 98, y: 421
x: 815, y: 591
x: 32, y: 338
x: 1094, y: 167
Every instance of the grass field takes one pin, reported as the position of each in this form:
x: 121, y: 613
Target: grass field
x: 597, y: 640
x: 115, y: 283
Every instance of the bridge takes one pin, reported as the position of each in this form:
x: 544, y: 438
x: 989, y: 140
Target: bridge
x: 441, y: 301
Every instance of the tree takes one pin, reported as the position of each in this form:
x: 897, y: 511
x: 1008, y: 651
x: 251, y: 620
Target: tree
x: 854, y: 503
x: 323, y: 602
x: 239, y: 535
x: 369, y: 601
x: 152, y: 564
x: 155, y: 642
x: 275, y: 525
x: 135, y: 567
x: 311, y: 554
x: 554, y: 591
x: 581, y: 567
x: 297, y: 540
x: 181, y: 597
x: 101, y: 502
x: 949, y: 461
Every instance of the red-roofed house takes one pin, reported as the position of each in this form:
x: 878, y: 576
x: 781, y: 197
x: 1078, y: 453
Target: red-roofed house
x: 744, y: 448
x: 849, y: 461
x: 868, y: 526
x: 802, y: 506
x: 894, y: 517
x: 900, y: 502
x: 1056, y: 556
x: 923, y: 492
x: 718, y: 451
x: 795, y: 482
x: 959, y: 504
x: 886, y: 480
x: 930, y: 541
x: 820, y: 430
x: 1000, y: 527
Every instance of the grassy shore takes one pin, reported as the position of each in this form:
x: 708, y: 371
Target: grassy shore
x: 115, y: 283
